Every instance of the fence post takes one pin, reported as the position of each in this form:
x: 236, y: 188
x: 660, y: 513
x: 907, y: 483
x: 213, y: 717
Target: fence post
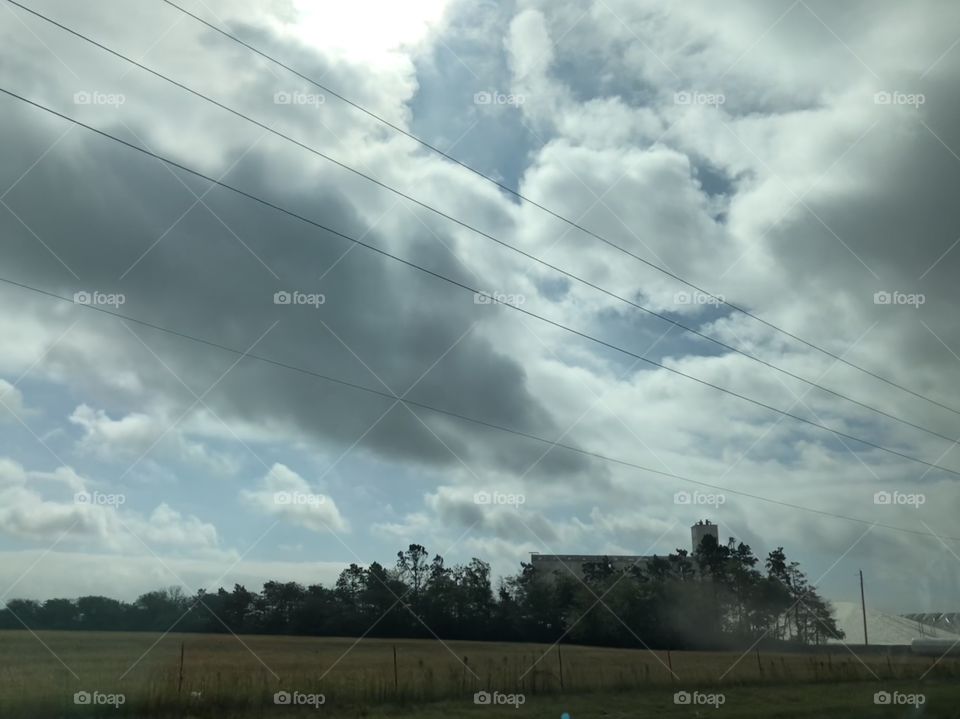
x: 759, y: 665
x: 180, y: 680
x: 396, y: 676
x: 670, y: 664
x: 560, y: 659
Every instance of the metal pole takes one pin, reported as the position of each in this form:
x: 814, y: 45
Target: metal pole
x: 863, y: 607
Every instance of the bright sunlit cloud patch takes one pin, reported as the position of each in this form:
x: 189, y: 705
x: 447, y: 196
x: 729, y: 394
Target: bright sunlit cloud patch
x: 370, y: 31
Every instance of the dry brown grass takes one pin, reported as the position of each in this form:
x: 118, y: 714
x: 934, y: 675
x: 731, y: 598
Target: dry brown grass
x: 241, y: 674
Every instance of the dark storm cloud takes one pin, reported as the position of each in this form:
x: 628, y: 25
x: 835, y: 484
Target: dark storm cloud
x: 112, y: 204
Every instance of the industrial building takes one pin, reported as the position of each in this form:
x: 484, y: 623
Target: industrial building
x: 946, y: 621
x: 573, y: 564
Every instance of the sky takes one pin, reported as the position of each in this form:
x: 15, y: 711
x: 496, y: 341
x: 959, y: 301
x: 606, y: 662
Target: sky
x: 798, y: 160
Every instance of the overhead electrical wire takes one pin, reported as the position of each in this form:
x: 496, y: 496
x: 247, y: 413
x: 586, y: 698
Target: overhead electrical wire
x: 468, y: 418
x: 477, y: 231
x: 524, y: 198
x: 491, y: 298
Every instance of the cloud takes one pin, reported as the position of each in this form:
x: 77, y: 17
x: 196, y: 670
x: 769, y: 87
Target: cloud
x: 42, y: 575
x: 136, y: 436
x: 51, y: 507
x: 284, y: 494
x: 11, y: 402
x: 798, y: 198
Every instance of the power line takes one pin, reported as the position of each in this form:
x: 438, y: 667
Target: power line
x: 477, y: 231
x: 553, y: 213
x: 474, y: 291
x: 464, y: 417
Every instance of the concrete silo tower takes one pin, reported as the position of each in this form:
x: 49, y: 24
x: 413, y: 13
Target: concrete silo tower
x: 700, y: 530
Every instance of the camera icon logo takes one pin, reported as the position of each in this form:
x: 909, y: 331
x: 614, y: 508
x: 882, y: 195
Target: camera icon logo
x: 681, y: 698
x: 282, y: 98
x: 482, y: 698
x: 882, y: 497
x: 682, y: 497
x: 81, y: 98
x: 482, y: 98
x: 281, y: 298
x: 881, y: 298
x: 882, y: 698
x: 82, y: 698
x: 81, y: 298
x: 282, y: 698
x: 83, y: 497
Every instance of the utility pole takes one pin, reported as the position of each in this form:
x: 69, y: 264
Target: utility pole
x: 863, y: 607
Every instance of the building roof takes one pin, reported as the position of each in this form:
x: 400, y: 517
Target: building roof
x: 589, y: 557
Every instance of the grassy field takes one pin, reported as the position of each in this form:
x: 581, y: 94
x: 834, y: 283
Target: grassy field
x: 225, y: 676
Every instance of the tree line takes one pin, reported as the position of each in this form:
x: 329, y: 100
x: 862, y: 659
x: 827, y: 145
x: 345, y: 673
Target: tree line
x: 718, y: 596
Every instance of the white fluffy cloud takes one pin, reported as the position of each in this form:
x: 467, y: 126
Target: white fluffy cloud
x: 11, y: 402
x: 62, y: 506
x: 284, y: 494
x: 136, y: 435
